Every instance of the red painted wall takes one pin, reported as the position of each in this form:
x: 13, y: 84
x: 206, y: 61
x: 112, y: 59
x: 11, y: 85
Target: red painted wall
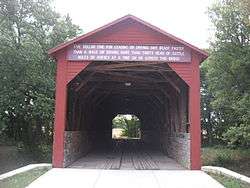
x: 60, y: 111
x: 194, y: 114
x: 129, y: 32
x: 132, y: 33
x: 184, y: 70
x: 73, y: 68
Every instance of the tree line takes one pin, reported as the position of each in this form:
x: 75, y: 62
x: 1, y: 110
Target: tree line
x: 130, y: 125
x: 225, y: 76
x: 28, y: 28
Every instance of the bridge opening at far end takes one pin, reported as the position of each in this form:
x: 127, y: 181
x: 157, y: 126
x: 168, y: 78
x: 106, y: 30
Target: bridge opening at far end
x: 126, y: 126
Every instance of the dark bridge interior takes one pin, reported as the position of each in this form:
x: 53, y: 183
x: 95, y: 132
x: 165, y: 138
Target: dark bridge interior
x: 151, y: 91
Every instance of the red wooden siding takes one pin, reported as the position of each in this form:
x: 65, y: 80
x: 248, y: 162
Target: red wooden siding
x: 60, y: 112
x: 184, y: 70
x: 129, y: 32
x: 194, y: 115
x: 74, y: 68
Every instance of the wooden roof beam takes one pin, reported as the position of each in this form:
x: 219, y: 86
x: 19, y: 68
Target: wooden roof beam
x: 173, y: 84
x: 136, y: 78
x: 121, y: 65
x: 130, y: 70
x: 103, y: 98
x: 84, y: 81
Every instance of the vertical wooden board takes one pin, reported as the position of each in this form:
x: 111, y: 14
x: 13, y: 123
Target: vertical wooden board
x: 194, y: 115
x: 60, y: 112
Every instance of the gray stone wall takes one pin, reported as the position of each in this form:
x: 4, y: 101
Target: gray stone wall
x: 177, y: 146
x: 76, y: 144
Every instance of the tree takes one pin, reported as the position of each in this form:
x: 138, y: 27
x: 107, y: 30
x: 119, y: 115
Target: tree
x: 129, y: 123
x: 28, y: 28
x: 207, y: 113
x: 211, y: 119
x: 228, y: 74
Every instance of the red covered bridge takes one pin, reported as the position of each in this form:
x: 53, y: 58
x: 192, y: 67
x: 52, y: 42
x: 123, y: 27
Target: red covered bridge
x: 127, y: 67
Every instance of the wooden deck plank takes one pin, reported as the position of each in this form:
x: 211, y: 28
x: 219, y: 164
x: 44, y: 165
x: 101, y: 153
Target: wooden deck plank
x: 128, y: 156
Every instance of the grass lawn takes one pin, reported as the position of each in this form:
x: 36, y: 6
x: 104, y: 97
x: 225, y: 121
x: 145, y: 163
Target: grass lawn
x: 229, y: 182
x: 23, y: 179
x: 237, y: 160
x: 12, y: 159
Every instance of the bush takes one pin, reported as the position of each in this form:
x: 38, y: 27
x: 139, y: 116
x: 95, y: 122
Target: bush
x: 39, y: 153
x: 223, y: 159
x: 44, y: 153
x: 237, y: 160
x: 238, y: 136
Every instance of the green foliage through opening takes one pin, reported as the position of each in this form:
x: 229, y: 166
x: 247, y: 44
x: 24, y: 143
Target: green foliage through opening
x: 126, y: 126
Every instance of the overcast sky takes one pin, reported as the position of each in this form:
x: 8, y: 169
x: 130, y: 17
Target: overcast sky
x: 186, y: 19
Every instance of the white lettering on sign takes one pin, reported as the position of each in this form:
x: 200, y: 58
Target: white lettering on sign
x: 115, y: 52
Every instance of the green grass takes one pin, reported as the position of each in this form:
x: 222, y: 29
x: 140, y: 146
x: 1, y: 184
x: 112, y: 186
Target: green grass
x: 23, y: 179
x: 229, y: 182
x: 237, y: 160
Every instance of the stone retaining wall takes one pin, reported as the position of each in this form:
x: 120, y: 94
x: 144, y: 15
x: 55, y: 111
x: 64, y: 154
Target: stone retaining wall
x: 177, y: 146
x: 76, y: 144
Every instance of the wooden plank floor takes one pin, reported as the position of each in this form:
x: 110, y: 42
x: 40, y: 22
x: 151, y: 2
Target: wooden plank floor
x: 127, y: 156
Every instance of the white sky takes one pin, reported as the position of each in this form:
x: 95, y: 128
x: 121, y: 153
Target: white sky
x: 186, y: 19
